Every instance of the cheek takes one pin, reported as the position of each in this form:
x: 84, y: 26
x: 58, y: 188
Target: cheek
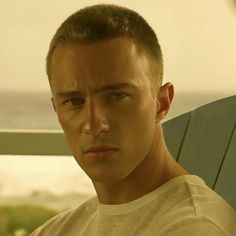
x: 139, y: 131
x: 67, y: 120
x: 70, y: 126
x: 64, y: 120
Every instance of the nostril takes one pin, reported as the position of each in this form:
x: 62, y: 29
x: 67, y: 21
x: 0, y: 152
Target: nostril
x: 96, y: 127
x: 104, y: 123
x: 87, y: 128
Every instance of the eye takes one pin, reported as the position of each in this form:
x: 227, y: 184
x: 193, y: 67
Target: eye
x: 73, y: 102
x: 117, y: 96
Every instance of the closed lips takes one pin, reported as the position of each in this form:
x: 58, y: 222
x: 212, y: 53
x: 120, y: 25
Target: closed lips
x: 99, y: 149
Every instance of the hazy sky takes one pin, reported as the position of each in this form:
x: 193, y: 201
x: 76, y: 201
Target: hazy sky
x: 197, y: 37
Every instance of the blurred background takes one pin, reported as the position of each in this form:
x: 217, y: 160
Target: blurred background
x: 198, y: 42
x: 197, y: 38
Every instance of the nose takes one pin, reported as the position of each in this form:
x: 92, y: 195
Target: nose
x: 94, y: 122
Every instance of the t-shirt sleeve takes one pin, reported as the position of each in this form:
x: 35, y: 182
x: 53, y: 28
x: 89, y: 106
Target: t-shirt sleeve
x: 36, y: 232
x: 51, y: 226
x: 201, y: 227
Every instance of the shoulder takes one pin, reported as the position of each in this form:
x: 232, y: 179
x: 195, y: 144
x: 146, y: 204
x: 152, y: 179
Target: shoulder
x: 196, y: 208
x: 194, y: 226
x: 57, y: 223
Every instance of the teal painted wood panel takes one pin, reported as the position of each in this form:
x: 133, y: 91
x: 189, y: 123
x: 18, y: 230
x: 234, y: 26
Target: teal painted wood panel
x: 207, y: 138
x: 226, y: 182
x: 174, y: 131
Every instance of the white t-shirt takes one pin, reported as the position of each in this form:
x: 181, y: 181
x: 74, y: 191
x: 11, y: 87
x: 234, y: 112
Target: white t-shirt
x: 184, y: 205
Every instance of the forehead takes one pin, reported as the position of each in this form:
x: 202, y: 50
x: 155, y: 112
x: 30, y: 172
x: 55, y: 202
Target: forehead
x: 87, y: 65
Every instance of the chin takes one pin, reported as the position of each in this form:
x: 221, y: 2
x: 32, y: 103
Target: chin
x: 106, y: 177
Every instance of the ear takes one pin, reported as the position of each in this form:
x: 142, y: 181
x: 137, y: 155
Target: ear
x: 165, y: 97
x: 54, y: 107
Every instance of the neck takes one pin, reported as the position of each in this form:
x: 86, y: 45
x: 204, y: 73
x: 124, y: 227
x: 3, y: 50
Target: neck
x: 157, y: 168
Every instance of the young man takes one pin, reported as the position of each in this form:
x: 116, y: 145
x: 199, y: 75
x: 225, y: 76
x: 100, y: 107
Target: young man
x: 105, y: 72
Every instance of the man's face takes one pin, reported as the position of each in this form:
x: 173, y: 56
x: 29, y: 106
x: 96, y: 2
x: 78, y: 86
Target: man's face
x: 123, y: 118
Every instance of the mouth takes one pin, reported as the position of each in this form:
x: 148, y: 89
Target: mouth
x: 100, y: 153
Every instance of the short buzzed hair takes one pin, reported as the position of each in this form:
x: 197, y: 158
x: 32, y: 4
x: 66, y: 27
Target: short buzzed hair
x: 106, y: 21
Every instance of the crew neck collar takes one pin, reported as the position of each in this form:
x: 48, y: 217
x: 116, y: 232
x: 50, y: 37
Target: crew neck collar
x: 117, y: 209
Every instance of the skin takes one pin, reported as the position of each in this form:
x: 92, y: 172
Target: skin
x: 127, y: 118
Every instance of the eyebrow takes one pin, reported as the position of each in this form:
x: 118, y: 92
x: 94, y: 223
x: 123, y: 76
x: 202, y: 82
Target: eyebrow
x: 99, y: 90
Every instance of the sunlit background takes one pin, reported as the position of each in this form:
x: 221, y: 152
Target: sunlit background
x: 198, y: 42
x: 197, y: 38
